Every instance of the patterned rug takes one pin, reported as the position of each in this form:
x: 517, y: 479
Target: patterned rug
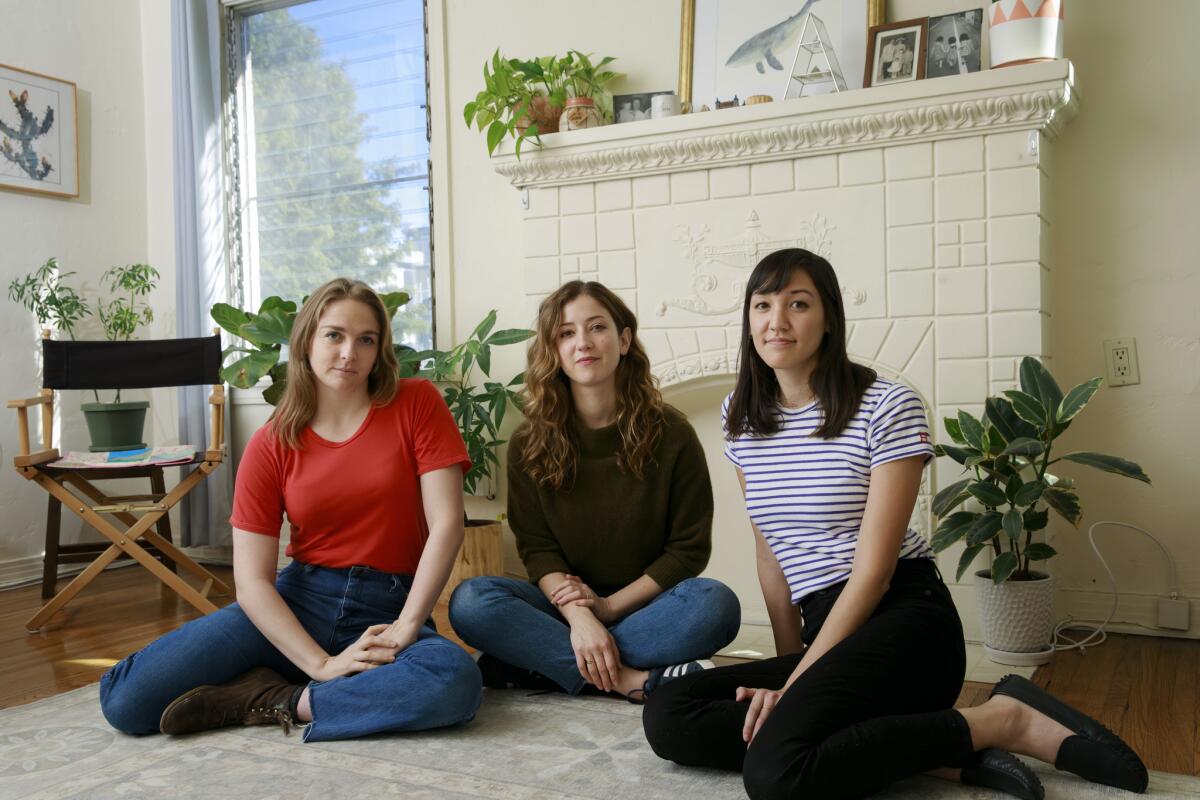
x: 519, y: 747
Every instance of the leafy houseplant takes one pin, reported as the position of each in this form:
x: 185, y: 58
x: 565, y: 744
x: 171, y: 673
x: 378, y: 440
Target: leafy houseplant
x: 524, y: 98
x: 1008, y: 457
x: 478, y: 410
x: 264, y: 335
x: 585, y: 85
x: 116, y: 425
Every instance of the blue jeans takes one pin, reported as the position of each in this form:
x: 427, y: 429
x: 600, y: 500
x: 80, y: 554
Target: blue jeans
x: 432, y: 683
x: 513, y: 621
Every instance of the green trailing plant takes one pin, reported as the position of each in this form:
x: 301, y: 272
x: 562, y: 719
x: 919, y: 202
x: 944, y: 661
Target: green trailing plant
x: 1007, y: 458
x: 586, y: 79
x: 263, y: 336
x: 511, y: 87
x: 478, y: 409
x: 503, y: 104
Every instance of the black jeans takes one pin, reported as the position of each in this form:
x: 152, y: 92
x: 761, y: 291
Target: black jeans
x: 876, y: 708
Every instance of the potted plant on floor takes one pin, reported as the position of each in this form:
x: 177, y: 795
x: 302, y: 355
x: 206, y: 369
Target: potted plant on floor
x: 117, y: 425
x: 1005, y: 502
x: 479, y: 410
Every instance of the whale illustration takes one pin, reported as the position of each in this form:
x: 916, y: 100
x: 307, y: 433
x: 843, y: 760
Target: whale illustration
x: 761, y: 46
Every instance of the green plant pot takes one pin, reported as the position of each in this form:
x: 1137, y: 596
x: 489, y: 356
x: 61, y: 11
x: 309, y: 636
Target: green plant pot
x: 116, y: 426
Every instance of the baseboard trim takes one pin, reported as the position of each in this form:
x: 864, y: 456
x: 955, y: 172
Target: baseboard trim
x: 1136, y: 613
x: 27, y: 571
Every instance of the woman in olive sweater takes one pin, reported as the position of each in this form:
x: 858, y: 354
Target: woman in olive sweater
x: 610, y: 502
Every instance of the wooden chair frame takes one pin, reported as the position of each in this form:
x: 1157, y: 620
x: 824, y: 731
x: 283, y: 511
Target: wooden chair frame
x: 152, y: 508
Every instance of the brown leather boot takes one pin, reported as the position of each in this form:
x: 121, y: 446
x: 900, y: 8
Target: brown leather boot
x: 259, y: 697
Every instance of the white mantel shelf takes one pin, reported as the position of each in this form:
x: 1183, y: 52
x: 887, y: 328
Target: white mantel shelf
x: 1037, y: 97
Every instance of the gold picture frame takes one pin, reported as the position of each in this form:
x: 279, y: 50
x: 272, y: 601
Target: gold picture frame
x: 687, y: 41
x: 39, y: 133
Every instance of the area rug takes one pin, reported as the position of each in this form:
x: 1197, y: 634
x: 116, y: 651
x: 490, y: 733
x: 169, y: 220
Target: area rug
x: 521, y: 746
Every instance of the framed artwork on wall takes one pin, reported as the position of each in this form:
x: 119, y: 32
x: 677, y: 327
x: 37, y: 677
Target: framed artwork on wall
x: 39, y: 143
x: 730, y: 48
x: 896, y: 52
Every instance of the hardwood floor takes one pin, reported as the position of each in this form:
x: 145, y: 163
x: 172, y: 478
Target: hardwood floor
x: 1145, y: 689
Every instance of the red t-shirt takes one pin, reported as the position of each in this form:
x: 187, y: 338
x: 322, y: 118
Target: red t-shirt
x: 357, y: 502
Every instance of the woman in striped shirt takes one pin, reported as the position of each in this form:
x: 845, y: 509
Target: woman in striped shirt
x: 870, y: 647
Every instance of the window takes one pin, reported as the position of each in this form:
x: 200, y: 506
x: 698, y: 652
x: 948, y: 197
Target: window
x: 329, y: 151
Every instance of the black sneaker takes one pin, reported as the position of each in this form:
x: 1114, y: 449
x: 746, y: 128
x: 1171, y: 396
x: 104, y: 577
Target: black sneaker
x: 499, y: 674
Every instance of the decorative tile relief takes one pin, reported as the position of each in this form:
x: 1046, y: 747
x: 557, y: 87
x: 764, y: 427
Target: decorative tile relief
x: 1005, y: 150
x: 817, y: 172
x: 1017, y: 287
x: 689, y: 187
x: 948, y: 255
x: 1018, y: 333
x: 1014, y: 191
x: 729, y: 181
x: 954, y: 156
x: 962, y: 337
x: 772, y: 177
x: 542, y: 203
x: 910, y: 202
x: 909, y: 161
x: 863, y: 166
x: 960, y: 197
x: 910, y: 294
x: 618, y: 270
x: 974, y: 255
x: 654, y: 190
x: 541, y: 237
x: 947, y: 233
x: 614, y: 231
x: 910, y: 247
x: 961, y: 291
x: 1015, y: 239
x: 578, y: 233
x: 614, y: 195
x: 973, y: 232
x: 576, y: 199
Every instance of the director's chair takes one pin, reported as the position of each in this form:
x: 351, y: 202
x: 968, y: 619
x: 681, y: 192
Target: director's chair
x: 124, y: 365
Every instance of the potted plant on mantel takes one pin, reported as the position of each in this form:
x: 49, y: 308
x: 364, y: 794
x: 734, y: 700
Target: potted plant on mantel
x: 525, y: 98
x: 1010, y: 491
x: 116, y: 425
x: 585, y: 84
x: 478, y: 410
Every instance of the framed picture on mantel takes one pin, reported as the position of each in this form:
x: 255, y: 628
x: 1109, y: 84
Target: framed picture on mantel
x: 730, y: 49
x: 38, y: 138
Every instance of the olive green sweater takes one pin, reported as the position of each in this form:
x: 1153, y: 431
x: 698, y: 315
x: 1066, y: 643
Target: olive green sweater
x: 610, y: 528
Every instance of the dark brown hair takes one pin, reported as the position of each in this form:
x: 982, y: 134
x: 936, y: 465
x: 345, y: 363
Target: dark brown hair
x: 837, y: 382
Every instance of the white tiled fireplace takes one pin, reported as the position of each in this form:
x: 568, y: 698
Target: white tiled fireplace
x: 929, y: 199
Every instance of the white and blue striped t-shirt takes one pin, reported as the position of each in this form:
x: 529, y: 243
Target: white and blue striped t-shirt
x: 807, y: 495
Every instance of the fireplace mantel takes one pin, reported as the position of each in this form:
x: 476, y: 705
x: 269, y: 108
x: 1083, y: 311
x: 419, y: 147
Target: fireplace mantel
x: 1038, y: 97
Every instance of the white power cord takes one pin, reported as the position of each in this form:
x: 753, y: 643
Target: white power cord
x: 1064, y: 642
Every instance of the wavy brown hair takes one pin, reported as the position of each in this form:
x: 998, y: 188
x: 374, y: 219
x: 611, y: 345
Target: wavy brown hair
x: 546, y: 449
x: 837, y: 383
x: 298, y: 405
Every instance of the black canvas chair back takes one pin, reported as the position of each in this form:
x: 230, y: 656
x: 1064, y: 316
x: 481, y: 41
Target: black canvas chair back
x: 131, y: 365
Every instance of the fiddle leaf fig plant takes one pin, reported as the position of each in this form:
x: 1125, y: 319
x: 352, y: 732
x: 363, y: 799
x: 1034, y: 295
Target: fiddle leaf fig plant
x: 478, y: 409
x: 1009, y: 490
x: 264, y: 335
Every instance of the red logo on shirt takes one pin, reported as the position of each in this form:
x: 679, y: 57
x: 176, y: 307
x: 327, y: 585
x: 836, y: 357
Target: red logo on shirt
x: 924, y: 437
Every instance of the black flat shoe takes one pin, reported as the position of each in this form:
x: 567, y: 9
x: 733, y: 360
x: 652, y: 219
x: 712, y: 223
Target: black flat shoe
x: 1001, y: 770
x: 1094, y: 753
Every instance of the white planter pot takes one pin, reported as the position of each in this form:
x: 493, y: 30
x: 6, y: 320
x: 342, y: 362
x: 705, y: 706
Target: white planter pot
x: 1022, y: 31
x: 1017, y: 618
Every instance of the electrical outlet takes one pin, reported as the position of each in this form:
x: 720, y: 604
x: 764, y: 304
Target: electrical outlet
x: 1120, y: 362
x: 1173, y: 614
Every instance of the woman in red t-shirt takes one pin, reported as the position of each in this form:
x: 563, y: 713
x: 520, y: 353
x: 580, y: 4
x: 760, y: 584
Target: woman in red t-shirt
x: 368, y: 470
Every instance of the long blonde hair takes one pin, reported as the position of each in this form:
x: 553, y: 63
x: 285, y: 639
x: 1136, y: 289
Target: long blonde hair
x: 298, y: 405
x: 546, y: 449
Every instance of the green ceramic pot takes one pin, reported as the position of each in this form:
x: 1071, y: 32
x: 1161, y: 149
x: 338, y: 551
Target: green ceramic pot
x: 116, y: 426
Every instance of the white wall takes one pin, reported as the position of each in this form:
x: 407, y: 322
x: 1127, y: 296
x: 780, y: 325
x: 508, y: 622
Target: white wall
x: 115, y: 220
x: 1127, y: 179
